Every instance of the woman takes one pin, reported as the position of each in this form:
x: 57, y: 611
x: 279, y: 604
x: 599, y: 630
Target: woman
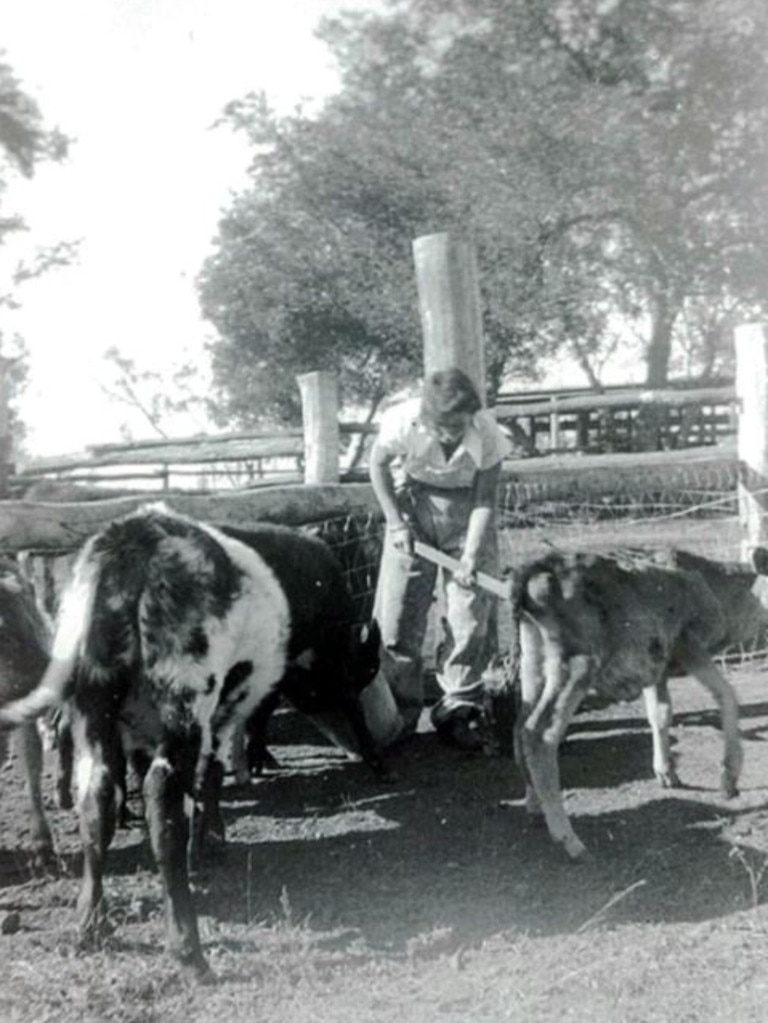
x: 435, y: 471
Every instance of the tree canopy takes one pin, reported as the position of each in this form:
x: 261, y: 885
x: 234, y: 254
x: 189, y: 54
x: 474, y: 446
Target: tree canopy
x: 607, y: 159
x: 25, y: 141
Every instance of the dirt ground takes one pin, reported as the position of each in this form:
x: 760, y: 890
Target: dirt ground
x: 431, y: 897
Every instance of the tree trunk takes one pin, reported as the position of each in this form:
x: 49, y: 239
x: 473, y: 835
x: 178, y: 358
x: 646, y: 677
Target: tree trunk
x: 660, y: 344
x: 583, y: 360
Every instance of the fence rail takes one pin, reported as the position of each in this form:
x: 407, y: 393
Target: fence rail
x: 627, y: 420
x: 633, y: 419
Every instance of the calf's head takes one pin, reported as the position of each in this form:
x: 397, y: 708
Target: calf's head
x: 314, y: 683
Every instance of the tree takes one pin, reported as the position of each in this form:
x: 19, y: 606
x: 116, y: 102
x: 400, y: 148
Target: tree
x: 24, y: 143
x: 157, y: 399
x: 605, y: 158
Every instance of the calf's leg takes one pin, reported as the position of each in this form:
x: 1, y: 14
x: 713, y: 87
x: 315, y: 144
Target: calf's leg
x: 531, y: 686
x: 658, y: 710
x: 31, y: 750
x: 257, y: 755
x: 207, y: 834
x: 695, y: 661
x: 96, y: 743
x: 169, y: 833
x: 57, y: 727
x: 542, y: 733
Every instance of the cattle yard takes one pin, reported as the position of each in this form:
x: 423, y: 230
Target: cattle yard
x: 432, y: 896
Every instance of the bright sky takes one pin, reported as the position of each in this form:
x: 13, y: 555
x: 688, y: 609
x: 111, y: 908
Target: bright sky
x: 137, y: 84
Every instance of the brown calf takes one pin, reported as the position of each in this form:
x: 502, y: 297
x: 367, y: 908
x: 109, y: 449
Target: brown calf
x: 622, y: 625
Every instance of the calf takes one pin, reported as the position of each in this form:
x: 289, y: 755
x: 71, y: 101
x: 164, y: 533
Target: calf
x: 312, y: 682
x: 24, y: 643
x: 622, y: 625
x: 170, y: 634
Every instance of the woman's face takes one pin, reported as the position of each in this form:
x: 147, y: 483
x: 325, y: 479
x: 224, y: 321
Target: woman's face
x: 450, y: 428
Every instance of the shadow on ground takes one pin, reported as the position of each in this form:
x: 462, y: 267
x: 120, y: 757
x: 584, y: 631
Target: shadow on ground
x: 446, y: 846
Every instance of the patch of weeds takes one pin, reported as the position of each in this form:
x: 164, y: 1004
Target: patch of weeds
x: 287, y: 924
x: 347, y: 802
x: 600, y: 915
x: 437, y: 942
x: 755, y: 871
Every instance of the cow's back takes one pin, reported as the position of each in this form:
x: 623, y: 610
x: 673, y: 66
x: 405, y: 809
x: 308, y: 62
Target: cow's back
x: 630, y: 619
x: 736, y: 589
x: 311, y: 578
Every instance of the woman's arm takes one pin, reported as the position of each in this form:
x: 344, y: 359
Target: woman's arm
x: 384, y: 488
x: 481, y: 518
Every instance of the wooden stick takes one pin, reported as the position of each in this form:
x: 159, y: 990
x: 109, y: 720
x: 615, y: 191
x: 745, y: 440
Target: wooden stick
x: 501, y: 588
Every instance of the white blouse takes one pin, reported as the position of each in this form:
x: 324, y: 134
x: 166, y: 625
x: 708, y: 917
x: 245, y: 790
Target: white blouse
x: 417, y: 452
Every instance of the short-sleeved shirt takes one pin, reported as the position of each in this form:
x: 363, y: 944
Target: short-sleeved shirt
x: 418, y: 454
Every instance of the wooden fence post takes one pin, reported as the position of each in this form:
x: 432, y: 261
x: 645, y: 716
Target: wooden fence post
x: 554, y: 426
x: 752, y: 392
x: 449, y: 303
x: 320, y: 413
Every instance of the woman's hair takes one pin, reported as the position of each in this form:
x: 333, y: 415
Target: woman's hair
x: 446, y: 392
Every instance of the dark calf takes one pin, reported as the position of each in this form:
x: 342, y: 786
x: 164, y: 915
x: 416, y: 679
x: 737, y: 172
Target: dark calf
x: 24, y: 643
x: 316, y: 688
x: 329, y: 662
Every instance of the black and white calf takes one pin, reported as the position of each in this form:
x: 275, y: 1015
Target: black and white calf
x: 170, y: 635
x: 24, y: 642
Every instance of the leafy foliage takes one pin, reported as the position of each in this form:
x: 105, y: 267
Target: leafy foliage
x: 606, y: 158
x: 24, y: 142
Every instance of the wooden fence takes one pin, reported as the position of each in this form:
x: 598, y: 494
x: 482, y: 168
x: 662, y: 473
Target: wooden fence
x: 622, y: 419
x: 630, y: 420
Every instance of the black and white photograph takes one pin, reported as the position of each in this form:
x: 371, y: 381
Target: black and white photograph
x: 383, y: 511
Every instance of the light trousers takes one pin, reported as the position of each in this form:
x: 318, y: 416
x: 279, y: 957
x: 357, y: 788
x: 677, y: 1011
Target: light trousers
x: 404, y: 596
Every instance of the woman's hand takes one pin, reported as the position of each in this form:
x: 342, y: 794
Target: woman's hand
x: 465, y: 574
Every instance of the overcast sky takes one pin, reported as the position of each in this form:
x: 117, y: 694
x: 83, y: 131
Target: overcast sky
x: 138, y: 85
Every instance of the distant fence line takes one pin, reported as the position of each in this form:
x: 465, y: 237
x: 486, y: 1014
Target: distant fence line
x: 626, y: 419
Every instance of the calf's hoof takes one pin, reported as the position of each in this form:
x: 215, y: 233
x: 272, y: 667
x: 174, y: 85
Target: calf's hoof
x: 44, y: 858
x: 669, y: 779
x: 575, y: 848
x: 728, y: 785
